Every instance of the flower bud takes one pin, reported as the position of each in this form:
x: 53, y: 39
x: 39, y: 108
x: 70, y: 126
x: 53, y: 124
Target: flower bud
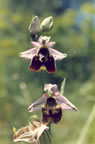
x: 34, y: 117
x: 46, y: 24
x: 34, y: 25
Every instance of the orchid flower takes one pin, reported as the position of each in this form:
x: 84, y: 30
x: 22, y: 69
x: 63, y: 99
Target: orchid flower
x: 51, y: 103
x: 30, y: 133
x: 42, y: 56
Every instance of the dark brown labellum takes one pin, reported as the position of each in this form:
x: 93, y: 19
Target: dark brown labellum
x: 52, y: 112
x: 43, y: 59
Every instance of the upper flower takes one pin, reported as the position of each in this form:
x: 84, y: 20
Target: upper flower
x: 52, y: 103
x: 30, y: 133
x: 42, y: 55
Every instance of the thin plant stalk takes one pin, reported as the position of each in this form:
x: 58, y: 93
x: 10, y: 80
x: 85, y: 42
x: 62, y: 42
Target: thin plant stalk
x: 85, y: 129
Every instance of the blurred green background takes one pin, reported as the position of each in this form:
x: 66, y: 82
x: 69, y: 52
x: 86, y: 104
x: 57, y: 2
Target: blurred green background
x: 74, y: 33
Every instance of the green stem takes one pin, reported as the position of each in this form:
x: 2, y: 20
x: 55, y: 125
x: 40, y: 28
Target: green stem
x: 49, y: 128
x: 49, y: 137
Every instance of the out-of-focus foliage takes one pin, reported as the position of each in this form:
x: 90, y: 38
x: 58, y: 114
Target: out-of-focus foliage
x: 74, y: 32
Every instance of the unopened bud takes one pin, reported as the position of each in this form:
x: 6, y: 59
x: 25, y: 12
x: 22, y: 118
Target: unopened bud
x: 34, y: 117
x: 34, y: 25
x: 46, y: 24
x: 14, y: 130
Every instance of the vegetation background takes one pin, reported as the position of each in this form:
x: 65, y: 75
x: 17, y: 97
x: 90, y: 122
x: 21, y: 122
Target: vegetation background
x: 74, y: 32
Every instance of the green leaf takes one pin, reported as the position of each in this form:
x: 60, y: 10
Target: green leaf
x: 45, y: 138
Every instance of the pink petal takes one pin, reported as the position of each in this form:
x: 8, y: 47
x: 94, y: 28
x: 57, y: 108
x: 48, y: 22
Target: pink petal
x: 48, y: 39
x: 37, y: 104
x: 40, y: 39
x: 50, y: 87
x: 54, y: 88
x: 56, y: 54
x: 35, y: 44
x: 50, y: 44
x: 29, y: 53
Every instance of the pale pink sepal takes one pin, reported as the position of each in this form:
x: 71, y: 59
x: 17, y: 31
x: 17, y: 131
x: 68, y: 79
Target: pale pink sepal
x: 29, y: 53
x: 56, y: 54
x: 64, y: 102
x: 37, y: 104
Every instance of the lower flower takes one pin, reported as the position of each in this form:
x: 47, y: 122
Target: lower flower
x: 52, y: 103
